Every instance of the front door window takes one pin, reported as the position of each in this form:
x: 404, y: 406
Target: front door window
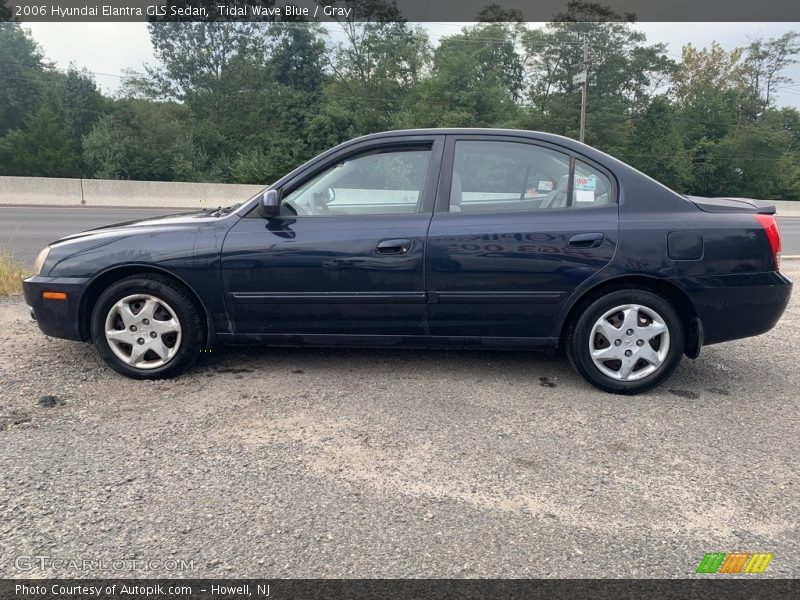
x: 383, y: 182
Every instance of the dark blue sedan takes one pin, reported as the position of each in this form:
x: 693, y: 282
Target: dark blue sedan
x: 442, y: 237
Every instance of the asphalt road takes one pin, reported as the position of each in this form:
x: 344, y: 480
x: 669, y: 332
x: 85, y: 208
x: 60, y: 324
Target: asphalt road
x: 26, y: 230
x: 790, y: 235
x: 377, y: 463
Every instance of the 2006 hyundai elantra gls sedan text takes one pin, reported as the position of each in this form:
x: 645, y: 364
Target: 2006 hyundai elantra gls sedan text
x: 420, y: 238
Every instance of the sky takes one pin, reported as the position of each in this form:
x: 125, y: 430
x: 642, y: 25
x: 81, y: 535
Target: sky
x: 108, y: 49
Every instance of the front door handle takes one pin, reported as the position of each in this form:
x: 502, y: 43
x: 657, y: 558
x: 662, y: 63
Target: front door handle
x: 586, y: 240
x: 394, y: 247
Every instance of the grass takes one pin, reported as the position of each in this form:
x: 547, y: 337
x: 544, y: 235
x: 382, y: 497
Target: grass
x: 11, y: 274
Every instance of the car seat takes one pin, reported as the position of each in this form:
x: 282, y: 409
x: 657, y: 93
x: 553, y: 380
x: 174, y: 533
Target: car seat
x: 558, y: 197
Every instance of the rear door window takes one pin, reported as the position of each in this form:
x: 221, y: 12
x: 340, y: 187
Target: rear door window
x: 507, y: 176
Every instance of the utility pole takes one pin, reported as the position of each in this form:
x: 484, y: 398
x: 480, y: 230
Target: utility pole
x: 585, y: 75
x: 583, y: 79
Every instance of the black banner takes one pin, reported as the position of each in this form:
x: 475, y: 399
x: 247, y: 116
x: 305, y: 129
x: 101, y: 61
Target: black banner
x: 390, y: 10
x: 405, y: 589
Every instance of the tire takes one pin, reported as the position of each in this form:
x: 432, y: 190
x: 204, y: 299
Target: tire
x: 148, y: 327
x: 647, y: 357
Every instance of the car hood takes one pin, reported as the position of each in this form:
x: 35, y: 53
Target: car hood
x: 187, y: 220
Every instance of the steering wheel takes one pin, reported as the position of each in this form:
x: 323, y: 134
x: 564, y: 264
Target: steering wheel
x: 320, y: 200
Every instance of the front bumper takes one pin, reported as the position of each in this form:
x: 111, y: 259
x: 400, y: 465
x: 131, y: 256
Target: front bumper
x: 57, y: 318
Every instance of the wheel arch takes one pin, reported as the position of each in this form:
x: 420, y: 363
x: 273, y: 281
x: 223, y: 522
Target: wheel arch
x: 672, y: 293
x: 106, y: 278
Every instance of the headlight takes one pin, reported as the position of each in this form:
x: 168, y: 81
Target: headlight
x: 37, y: 266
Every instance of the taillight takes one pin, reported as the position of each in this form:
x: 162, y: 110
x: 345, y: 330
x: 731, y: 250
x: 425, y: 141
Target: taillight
x: 770, y: 226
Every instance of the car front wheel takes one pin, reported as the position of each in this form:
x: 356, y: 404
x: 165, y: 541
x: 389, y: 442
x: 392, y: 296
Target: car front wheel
x: 147, y: 327
x: 627, y: 341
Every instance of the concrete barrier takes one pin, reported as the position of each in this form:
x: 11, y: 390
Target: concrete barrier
x: 787, y: 208
x: 54, y: 191
x: 783, y: 208
x: 47, y: 191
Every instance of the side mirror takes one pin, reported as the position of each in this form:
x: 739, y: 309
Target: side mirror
x: 269, y: 205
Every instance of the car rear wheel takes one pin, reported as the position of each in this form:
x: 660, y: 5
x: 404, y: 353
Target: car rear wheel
x: 626, y: 342
x: 147, y: 327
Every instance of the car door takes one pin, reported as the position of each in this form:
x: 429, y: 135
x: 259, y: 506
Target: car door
x: 518, y: 225
x: 346, y: 254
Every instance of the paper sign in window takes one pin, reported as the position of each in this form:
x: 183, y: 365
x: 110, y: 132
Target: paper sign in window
x: 585, y: 183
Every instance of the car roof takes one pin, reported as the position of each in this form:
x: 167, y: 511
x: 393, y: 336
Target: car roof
x: 489, y: 131
x: 558, y: 140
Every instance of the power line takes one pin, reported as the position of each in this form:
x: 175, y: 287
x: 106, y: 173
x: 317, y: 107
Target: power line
x: 46, y: 67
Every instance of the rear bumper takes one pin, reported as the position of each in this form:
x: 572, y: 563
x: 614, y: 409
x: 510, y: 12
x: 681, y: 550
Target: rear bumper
x: 56, y: 318
x: 737, y: 306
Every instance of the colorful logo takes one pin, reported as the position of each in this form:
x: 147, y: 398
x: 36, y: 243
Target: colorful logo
x: 735, y: 562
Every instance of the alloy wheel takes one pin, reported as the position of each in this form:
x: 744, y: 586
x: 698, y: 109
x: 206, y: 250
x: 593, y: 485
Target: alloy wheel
x: 143, y: 331
x: 629, y: 342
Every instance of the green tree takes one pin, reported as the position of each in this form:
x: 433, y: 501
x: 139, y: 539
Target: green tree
x: 476, y: 79
x: 297, y: 56
x: 290, y: 99
x: 624, y: 74
x: 711, y: 90
x: 656, y: 146
x: 248, y: 101
x: 765, y: 65
x: 748, y: 161
x: 218, y: 71
x: 149, y: 141
x: 785, y: 119
x: 48, y: 141
x: 494, y: 13
x: 22, y: 67
x: 43, y: 147
x: 214, y: 68
x: 376, y: 71
x: 739, y: 145
x: 82, y: 101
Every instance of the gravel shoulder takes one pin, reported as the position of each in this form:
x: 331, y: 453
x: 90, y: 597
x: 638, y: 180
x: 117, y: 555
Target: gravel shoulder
x: 351, y: 463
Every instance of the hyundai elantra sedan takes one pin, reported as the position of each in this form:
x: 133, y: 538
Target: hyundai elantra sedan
x: 478, y: 238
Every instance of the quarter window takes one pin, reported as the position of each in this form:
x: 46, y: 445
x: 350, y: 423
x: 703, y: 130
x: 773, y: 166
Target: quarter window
x: 383, y: 182
x: 590, y: 187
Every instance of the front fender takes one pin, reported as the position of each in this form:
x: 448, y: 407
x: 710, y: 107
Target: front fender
x: 189, y: 254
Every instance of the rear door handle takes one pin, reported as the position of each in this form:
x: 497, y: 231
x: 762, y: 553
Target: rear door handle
x: 586, y: 240
x: 394, y: 247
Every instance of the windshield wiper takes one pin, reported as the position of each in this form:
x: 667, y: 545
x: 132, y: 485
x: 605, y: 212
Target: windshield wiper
x: 224, y: 211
